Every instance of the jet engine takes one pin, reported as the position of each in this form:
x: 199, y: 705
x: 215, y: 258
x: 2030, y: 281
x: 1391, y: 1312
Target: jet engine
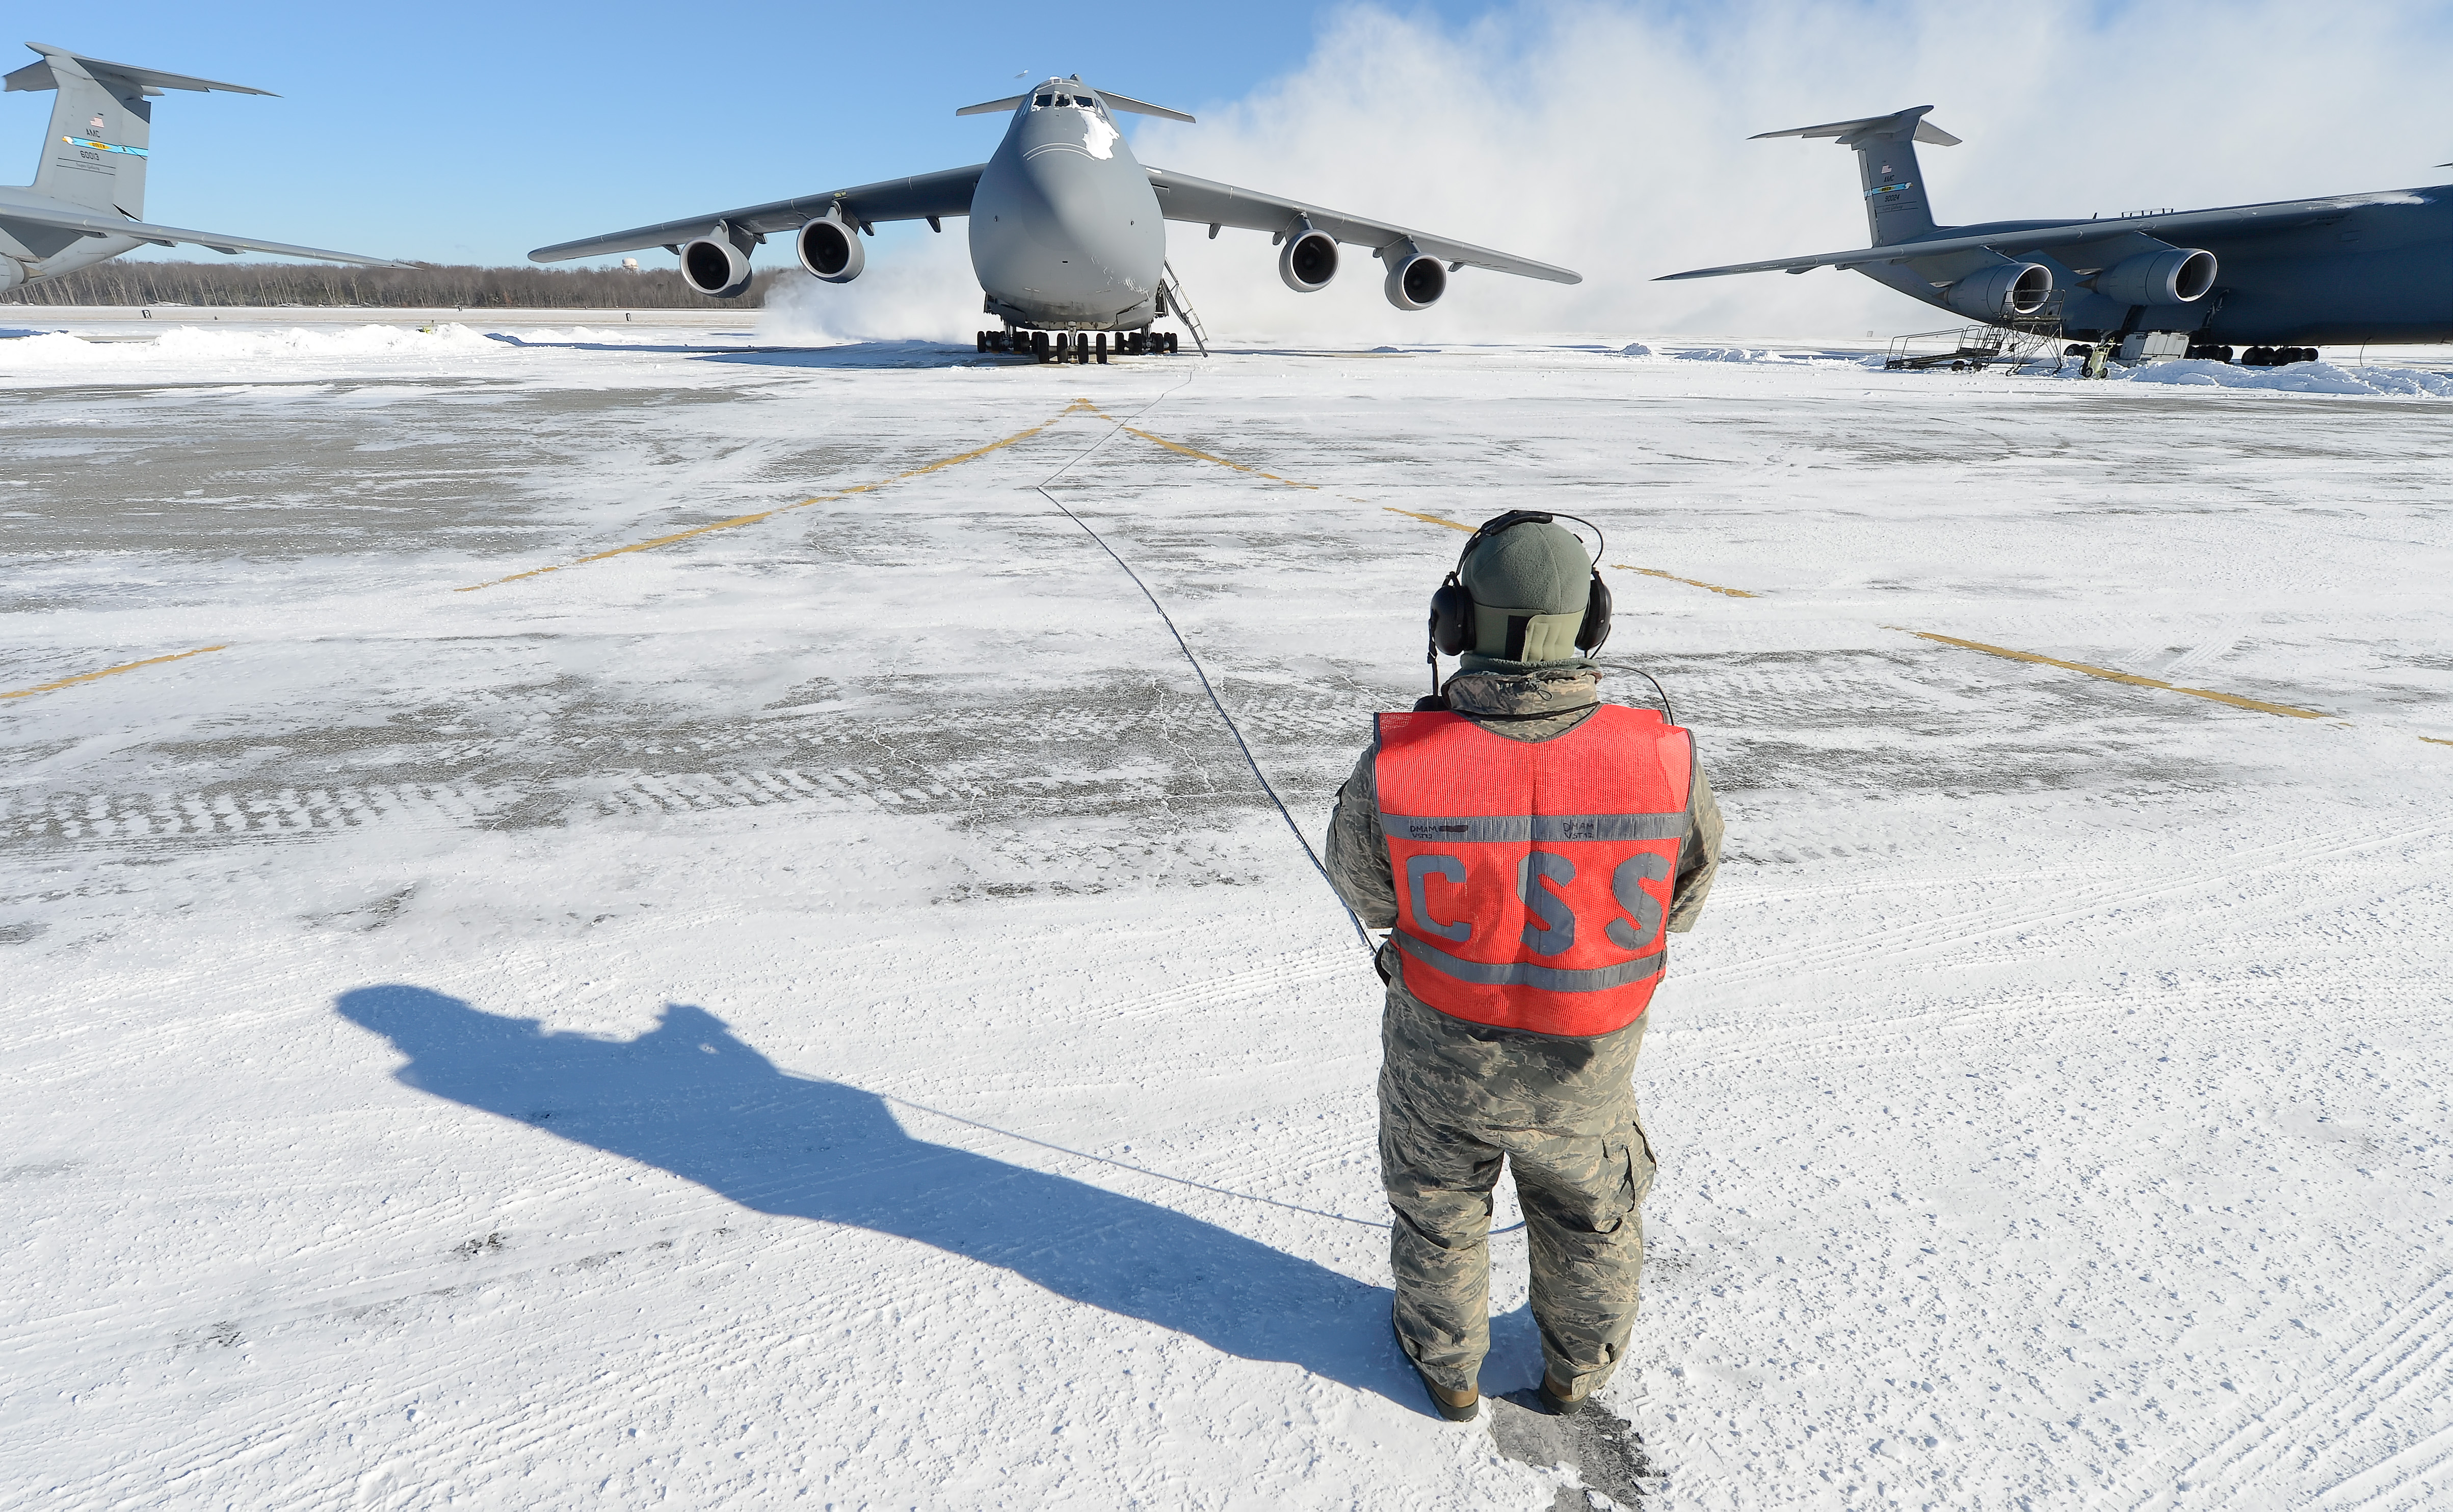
x: 1416, y: 280
x: 1308, y: 262
x: 12, y: 272
x: 716, y: 269
x: 1997, y: 294
x: 830, y: 249
x: 2175, y: 276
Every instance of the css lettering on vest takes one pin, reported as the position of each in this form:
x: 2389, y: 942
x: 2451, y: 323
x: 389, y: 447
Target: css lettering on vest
x: 1534, y: 876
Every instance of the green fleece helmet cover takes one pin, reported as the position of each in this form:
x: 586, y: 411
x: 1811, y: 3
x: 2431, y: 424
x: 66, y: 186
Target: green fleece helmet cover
x: 1535, y: 574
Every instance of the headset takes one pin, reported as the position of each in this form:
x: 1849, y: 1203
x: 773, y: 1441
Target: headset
x: 1452, y: 628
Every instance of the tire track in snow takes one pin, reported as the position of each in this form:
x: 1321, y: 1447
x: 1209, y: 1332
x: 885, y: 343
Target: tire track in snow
x: 1923, y: 936
x: 2408, y: 1347
x: 287, y: 812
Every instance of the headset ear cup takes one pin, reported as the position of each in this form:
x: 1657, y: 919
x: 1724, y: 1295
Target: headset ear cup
x: 1451, y: 618
x: 1596, y: 628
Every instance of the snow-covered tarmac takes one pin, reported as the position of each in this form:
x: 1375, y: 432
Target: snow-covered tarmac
x: 819, y: 1010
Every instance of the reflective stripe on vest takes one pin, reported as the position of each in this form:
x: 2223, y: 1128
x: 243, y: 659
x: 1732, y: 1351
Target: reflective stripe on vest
x: 1533, y: 878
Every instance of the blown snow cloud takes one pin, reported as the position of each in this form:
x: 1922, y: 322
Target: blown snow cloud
x: 1613, y: 139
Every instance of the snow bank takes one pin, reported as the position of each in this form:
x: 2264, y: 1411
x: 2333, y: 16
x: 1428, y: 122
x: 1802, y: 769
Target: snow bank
x: 2300, y: 378
x: 191, y: 344
x: 1729, y: 354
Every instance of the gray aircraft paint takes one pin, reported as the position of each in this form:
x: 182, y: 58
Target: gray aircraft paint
x: 1067, y: 229
x: 2345, y: 268
x: 87, y: 203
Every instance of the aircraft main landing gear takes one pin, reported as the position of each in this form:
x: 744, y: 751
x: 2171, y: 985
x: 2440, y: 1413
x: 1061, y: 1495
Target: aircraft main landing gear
x: 1076, y: 345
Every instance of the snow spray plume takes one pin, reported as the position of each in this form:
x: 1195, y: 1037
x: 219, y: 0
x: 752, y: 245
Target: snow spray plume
x: 1612, y: 139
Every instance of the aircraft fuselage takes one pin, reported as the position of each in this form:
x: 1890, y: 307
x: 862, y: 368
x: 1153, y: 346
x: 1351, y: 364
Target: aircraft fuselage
x: 2379, y: 272
x: 47, y: 251
x: 1064, y: 229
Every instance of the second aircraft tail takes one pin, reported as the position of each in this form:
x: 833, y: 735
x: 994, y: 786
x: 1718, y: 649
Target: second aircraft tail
x: 101, y: 132
x: 1896, y: 207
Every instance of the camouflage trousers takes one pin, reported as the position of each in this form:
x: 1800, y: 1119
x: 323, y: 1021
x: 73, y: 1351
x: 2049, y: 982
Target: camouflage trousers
x: 1456, y: 1101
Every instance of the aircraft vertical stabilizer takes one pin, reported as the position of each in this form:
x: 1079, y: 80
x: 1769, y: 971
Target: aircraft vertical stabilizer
x: 1896, y: 207
x: 94, y: 155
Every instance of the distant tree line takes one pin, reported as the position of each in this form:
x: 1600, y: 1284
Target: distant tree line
x: 424, y: 287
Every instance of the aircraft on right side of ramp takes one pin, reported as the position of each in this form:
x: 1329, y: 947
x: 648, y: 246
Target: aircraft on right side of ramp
x: 2345, y: 268
x: 1067, y: 231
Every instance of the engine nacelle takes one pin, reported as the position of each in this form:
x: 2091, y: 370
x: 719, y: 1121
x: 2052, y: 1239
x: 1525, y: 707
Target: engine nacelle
x: 830, y: 249
x: 715, y: 268
x: 2172, y: 277
x: 1997, y: 294
x: 12, y: 272
x: 1416, y: 280
x: 1308, y: 262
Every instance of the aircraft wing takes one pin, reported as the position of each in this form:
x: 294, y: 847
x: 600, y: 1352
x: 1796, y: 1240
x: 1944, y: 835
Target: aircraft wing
x: 1182, y: 197
x: 2230, y: 222
x: 930, y: 196
x: 173, y: 236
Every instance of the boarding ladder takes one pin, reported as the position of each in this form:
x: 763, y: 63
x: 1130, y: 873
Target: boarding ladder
x: 1171, y: 289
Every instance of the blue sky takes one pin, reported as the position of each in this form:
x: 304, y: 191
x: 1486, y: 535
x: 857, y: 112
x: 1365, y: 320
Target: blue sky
x: 1609, y: 136
x: 462, y: 132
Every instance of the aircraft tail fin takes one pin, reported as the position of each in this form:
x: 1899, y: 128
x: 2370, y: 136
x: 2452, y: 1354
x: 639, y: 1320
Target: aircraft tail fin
x: 1896, y: 207
x: 94, y: 155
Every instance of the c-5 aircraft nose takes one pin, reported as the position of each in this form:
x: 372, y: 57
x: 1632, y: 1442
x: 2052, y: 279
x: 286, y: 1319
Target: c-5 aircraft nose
x: 1085, y: 233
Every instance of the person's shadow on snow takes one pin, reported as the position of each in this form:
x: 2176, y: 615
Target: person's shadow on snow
x: 691, y: 1098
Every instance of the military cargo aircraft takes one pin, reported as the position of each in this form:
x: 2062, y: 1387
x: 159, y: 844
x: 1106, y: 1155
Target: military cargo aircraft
x: 1068, y: 231
x: 2345, y: 268
x: 87, y: 203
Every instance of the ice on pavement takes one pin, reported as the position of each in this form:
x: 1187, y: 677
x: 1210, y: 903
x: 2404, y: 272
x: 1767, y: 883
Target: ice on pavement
x: 819, y: 1007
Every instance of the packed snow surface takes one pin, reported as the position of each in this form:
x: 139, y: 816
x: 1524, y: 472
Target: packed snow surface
x: 817, y: 1008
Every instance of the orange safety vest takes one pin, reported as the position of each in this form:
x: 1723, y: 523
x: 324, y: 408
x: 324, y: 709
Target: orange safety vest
x: 1533, y: 877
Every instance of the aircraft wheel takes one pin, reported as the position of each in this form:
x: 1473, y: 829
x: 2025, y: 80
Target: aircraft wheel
x: 1039, y: 344
x: 1171, y: 343
x: 1103, y: 348
x: 983, y: 340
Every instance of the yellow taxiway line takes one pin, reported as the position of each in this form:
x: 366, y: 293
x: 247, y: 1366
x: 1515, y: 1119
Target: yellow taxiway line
x: 2111, y: 676
x: 113, y: 671
x: 1427, y: 519
x: 1077, y: 406
x: 1692, y: 583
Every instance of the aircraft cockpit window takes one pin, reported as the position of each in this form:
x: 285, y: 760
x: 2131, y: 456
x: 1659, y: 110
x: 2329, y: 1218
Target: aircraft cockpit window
x: 1044, y: 102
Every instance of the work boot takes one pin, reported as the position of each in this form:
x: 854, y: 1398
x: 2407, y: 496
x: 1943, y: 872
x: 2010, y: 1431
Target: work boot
x: 1555, y: 1397
x: 1457, y: 1407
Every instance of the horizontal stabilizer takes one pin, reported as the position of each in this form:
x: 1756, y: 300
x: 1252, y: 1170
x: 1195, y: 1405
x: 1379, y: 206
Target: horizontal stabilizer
x: 1115, y: 101
x: 1848, y: 131
x: 173, y: 236
x: 1125, y: 102
x: 39, y: 76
